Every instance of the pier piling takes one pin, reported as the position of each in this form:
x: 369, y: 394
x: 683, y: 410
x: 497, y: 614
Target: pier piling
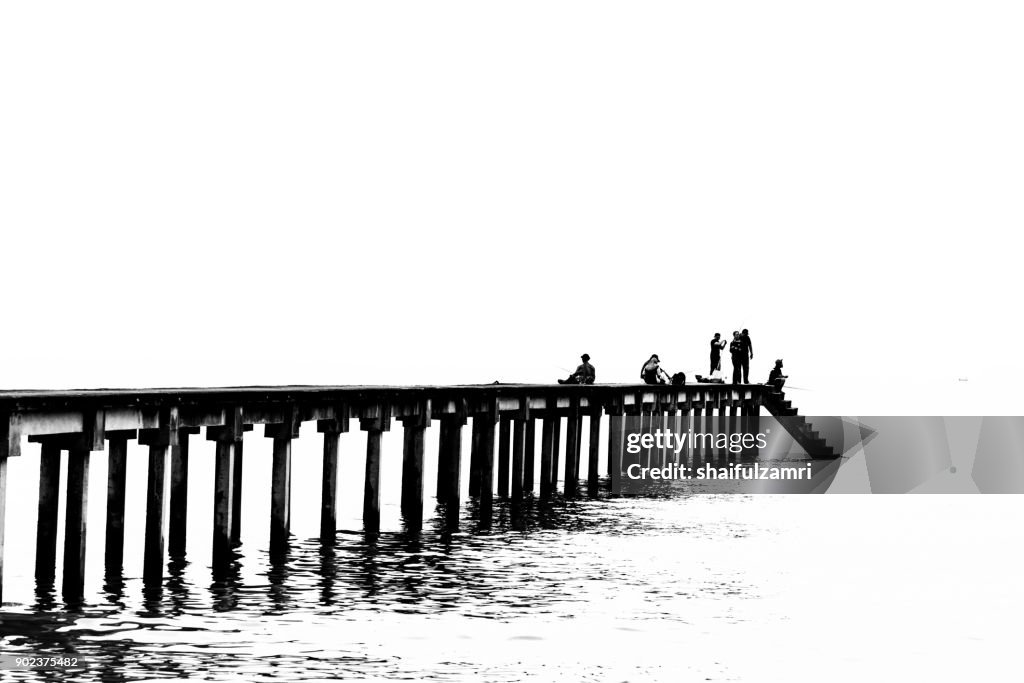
x: 547, y: 435
x: 374, y: 427
x: 225, y: 439
x: 529, y: 455
x: 177, y: 528
x: 504, y: 453
x: 3, y: 517
x: 281, y: 482
x: 450, y: 474
x: 595, y: 453
x: 332, y: 429
x: 489, y: 419
x: 237, y: 466
x: 475, y: 457
x: 412, y: 467
x: 157, y: 500
x: 75, y: 521
x: 519, y: 451
x: 46, y: 524
x: 572, y: 443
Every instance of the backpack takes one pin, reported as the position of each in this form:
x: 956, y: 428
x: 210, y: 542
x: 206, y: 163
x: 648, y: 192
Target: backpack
x: 679, y: 378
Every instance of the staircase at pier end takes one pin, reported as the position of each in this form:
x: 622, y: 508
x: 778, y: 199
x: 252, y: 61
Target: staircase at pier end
x: 797, y: 425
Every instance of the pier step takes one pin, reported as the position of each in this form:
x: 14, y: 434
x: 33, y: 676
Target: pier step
x: 798, y: 426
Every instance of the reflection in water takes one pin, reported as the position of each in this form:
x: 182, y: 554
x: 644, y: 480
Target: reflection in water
x: 329, y: 607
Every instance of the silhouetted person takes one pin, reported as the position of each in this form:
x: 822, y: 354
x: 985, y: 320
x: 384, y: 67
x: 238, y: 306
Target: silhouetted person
x: 651, y: 372
x: 775, y: 378
x: 717, y: 344
x: 748, y: 353
x: 585, y: 373
x: 738, y: 353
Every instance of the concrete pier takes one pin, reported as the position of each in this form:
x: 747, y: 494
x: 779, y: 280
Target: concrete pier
x: 81, y: 422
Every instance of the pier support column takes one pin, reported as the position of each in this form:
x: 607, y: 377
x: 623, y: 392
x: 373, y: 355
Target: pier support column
x: 332, y: 429
x: 177, y: 532
x: 117, y: 455
x: 226, y: 437
x: 578, y: 452
x: 443, y: 436
x: 223, y: 495
x: 556, y: 447
x: 547, y: 433
x: 595, y: 453
x: 660, y: 423
x: 412, y: 466
x: 504, y: 452
x: 281, y: 480
x: 374, y: 426
x: 3, y: 517
x: 158, y: 489
x: 237, y: 465
x: 49, y: 500
x: 697, y: 422
x: 616, y: 437
x: 647, y: 427
x: 732, y: 425
x: 450, y: 467
x: 572, y: 443
x: 75, y: 520
x: 529, y: 456
x: 488, y: 421
x: 519, y: 450
x: 750, y: 426
x: 474, y: 456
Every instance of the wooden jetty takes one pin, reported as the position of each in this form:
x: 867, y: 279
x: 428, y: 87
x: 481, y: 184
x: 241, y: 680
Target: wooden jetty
x: 87, y: 421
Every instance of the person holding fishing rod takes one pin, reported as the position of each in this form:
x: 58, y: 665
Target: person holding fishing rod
x: 717, y: 344
x: 585, y: 373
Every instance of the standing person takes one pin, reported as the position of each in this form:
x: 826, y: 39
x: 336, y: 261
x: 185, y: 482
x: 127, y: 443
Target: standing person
x: 738, y: 353
x: 651, y: 372
x: 748, y: 354
x: 585, y: 373
x: 717, y: 344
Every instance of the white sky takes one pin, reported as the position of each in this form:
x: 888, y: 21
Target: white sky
x: 407, y: 192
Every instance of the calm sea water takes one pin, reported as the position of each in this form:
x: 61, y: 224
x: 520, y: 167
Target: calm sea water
x: 681, y: 587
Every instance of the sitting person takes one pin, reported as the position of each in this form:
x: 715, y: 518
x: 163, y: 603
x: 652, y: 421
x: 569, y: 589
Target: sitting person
x: 652, y: 373
x: 775, y: 378
x: 585, y: 373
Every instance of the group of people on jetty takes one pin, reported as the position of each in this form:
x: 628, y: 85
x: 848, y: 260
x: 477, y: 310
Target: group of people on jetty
x: 741, y: 349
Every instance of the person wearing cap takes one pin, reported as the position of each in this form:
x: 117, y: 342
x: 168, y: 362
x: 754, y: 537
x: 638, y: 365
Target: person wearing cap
x: 775, y: 378
x: 652, y: 372
x: 585, y: 373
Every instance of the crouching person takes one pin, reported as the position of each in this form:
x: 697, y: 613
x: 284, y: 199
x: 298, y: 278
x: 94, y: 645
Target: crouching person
x: 775, y: 378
